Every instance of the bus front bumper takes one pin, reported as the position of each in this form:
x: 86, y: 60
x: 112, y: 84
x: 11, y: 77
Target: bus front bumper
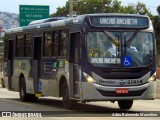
x: 96, y: 92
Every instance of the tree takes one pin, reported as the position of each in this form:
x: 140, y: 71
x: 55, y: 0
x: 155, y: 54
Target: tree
x: 61, y: 11
x: 85, y: 7
x: 139, y: 8
x: 130, y: 9
x: 142, y: 9
x: 158, y: 10
x: 116, y: 6
x: 102, y: 6
x: 156, y: 24
x: 92, y: 6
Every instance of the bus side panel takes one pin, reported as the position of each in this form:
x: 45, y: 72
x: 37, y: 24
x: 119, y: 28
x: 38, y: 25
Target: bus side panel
x: 51, y: 76
x: 47, y: 75
x: 50, y: 87
x: 51, y: 72
x: 15, y: 77
x: 23, y: 67
x: 10, y: 75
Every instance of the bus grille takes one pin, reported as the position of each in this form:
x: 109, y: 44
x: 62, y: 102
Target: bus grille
x: 114, y: 94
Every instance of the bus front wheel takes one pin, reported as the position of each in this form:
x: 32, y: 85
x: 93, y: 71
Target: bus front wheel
x: 125, y: 104
x: 67, y: 102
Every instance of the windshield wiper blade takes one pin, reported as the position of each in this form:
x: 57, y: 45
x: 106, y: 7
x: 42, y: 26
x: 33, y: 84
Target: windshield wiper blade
x: 111, y: 38
x: 128, y: 42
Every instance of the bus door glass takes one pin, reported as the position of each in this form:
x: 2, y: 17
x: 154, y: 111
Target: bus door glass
x: 75, y: 59
x: 10, y: 64
x: 36, y: 62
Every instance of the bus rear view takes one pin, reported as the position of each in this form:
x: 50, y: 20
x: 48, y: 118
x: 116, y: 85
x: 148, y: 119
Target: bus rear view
x: 120, y: 59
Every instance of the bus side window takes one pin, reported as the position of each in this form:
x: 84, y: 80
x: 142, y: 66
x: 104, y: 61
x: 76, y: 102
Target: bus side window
x: 47, y: 44
x: 55, y: 50
x: 63, y: 42
x: 20, y: 45
x: 28, y: 45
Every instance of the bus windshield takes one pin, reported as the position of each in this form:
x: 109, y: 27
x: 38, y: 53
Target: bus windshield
x: 120, y: 49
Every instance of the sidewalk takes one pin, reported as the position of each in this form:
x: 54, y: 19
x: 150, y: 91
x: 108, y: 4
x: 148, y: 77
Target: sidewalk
x: 158, y: 89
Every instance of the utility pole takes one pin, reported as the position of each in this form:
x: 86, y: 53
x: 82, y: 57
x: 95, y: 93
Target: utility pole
x: 71, y: 8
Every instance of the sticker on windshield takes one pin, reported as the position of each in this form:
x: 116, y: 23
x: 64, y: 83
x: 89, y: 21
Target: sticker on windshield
x: 127, y: 61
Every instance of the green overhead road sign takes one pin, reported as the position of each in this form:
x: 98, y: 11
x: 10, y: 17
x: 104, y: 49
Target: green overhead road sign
x: 29, y: 13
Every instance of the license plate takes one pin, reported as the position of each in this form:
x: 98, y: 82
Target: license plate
x: 122, y: 90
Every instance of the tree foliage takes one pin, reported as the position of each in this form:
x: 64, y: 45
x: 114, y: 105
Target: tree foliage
x: 156, y: 24
x: 102, y: 6
x: 158, y: 10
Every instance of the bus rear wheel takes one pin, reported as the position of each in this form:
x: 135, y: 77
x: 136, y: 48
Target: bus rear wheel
x: 22, y: 91
x: 25, y: 97
x: 125, y: 104
x: 67, y: 102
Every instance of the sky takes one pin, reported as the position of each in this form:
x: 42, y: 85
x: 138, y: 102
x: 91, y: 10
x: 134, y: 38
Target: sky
x: 12, y: 6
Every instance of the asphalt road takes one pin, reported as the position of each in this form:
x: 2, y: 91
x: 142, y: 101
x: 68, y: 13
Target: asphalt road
x: 9, y: 101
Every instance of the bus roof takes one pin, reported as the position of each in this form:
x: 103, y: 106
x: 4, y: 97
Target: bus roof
x: 46, y: 20
x: 47, y: 23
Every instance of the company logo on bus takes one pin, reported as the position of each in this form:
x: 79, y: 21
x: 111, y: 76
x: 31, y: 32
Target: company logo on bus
x: 122, y: 82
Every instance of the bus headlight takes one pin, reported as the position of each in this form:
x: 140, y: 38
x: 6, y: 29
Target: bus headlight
x: 152, y: 78
x: 89, y: 78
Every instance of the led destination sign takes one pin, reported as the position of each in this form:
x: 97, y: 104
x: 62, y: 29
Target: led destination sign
x: 128, y: 22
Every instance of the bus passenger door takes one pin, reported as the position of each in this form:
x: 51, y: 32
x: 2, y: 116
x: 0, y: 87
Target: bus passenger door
x: 36, y: 63
x: 10, y: 64
x: 75, y: 60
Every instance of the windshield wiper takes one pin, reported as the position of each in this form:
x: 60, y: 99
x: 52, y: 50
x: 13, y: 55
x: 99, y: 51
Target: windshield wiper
x: 128, y: 42
x: 111, y: 38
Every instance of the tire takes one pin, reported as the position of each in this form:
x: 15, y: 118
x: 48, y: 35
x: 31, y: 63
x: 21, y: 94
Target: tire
x: 25, y: 97
x: 22, y: 91
x: 32, y: 98
x: 125, y: 104
x: 67, y: 102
